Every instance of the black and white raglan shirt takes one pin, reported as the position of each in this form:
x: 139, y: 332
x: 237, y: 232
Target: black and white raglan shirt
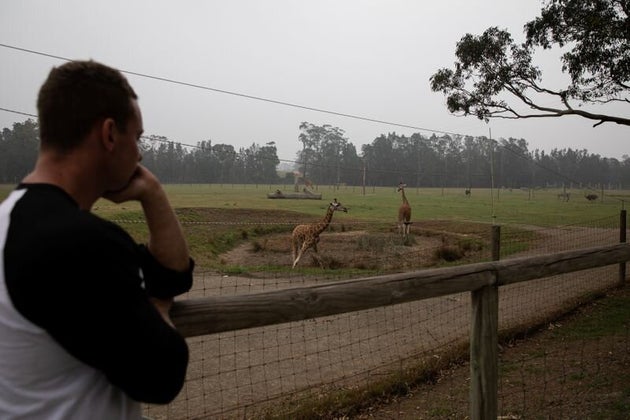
x: 79, y: 338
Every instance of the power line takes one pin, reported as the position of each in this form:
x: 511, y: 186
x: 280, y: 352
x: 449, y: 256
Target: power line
x: 243, y: 95
x: 259, y: 98
x: 18, y: 112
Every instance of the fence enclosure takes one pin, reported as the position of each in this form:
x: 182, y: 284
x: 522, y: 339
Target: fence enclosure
x: 218, y: 314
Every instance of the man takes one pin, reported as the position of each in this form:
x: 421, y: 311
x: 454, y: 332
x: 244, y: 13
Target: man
x: 84, y: 310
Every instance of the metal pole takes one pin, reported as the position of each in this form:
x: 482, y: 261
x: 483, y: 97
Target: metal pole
x: 622, y: 239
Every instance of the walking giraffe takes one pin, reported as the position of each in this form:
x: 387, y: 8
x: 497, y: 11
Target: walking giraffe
x: 404, y: 214
x: 307, y: 236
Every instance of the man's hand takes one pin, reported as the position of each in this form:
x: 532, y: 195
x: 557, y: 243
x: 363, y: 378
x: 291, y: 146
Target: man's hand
x: 141, y: 183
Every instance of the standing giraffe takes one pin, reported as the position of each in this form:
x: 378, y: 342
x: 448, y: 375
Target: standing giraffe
x: 307, y: 236
x: 404, y: 213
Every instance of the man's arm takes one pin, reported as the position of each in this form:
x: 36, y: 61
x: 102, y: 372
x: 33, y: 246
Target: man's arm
x: 166, y: 238
x: 167, y: 243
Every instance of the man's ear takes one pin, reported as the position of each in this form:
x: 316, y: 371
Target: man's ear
x: 108, y: 133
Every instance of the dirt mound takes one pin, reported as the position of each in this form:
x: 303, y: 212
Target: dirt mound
x: 354, y: 249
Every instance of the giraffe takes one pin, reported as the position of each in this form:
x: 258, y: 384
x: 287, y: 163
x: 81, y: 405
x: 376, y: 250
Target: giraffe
x: 307, y: 236
x: 404, y: 213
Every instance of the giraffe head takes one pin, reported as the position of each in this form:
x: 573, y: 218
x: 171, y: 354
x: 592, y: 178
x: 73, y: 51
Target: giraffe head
x: 336, y: 205
x: 401, y: 186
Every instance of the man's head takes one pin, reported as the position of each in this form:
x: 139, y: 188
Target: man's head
x: 76, y: 96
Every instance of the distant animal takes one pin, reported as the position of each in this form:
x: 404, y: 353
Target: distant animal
x: 564, y: 196
x: 307, y: 236
x: 591, y: 197
x: 467, y: 192
x: 404, y: 213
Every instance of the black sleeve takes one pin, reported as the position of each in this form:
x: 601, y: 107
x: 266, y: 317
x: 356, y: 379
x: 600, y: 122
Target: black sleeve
x: 162, y: 282
x: 85, y: 290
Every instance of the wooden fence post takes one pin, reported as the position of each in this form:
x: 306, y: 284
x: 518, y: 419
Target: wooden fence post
x: 622, y: 239
x: 484, y: 342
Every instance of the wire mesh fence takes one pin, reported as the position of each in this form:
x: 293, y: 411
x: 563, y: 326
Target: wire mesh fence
x: 571, y: 377
x: 575, y: 366
x: 289, y: 369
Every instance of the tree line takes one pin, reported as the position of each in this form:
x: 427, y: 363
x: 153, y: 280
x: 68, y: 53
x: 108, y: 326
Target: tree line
x: 328, y: 157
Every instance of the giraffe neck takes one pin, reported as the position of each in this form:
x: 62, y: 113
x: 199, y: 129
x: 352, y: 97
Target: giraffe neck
x: 321, y: 226
x: 404, y: 198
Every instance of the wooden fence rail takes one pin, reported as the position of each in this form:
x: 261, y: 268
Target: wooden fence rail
x: 212, y: 315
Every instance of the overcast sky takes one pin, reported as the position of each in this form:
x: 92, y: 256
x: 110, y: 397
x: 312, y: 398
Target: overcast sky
x: 366, y: 58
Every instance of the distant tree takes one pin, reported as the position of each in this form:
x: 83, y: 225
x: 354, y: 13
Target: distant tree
x: 513, y: 163
x: 380, y: 158
x: 259, y: 163
x: 153, y: 148
x: 225, y: 156
x: 310, y: 137
x: 18, y: 150
x: 596, y: 37
x: 321, y: 157
x: 203, y: 162
x: 268, y: 162
x: 351, y: 165
x: 625, y: 171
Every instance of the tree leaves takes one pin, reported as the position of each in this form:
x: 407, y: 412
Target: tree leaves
x: 493, y: 75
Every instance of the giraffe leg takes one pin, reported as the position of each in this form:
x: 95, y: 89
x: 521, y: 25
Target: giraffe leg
x: 406, y: 231
x: 294, y: 247
x: 316, y: 252
x: 297, y: 254
x: 304, y: 247
x: 297, y: 258
x: 295, y: 261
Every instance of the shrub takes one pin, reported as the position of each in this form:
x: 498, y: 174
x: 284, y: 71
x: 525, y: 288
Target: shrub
x: 258, y: 247
x: 470, y: 244
x: 448, y: 253
x: 371, y: 242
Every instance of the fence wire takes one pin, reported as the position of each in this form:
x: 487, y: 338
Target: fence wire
x: 279, y: 370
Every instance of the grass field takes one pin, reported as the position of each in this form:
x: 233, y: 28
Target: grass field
x: 539, y: 207
x: 218, y: 217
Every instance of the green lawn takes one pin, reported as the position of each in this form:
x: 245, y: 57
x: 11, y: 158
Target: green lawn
x: 538, y: 207
x: 375, y: 207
